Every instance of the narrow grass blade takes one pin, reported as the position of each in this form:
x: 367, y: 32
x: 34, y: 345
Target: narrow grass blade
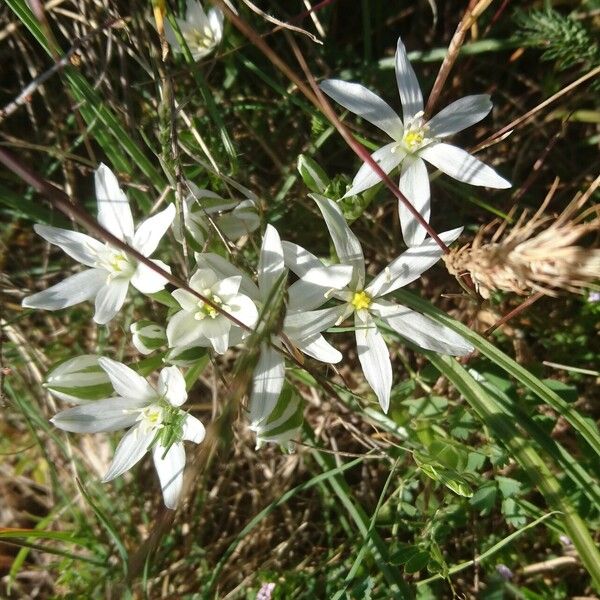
x: 506, y: 431
x: 584, y: 426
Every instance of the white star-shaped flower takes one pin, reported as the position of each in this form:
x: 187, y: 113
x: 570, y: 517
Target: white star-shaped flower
x: 415, y: 141
x: 200, y: 324
x: 302, y: 325
x: 111, y: 270
x: 201, y: 31
x: 156, y: 423
x: 366, y: 302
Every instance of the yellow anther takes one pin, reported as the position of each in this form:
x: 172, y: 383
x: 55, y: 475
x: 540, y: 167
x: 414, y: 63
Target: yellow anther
x: 361, y: 300
x: 118, y: 262
x: 206, y: 310
x: 413, y: 139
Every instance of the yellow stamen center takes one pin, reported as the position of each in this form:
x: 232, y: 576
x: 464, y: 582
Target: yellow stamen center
x: 412, y: 139
x: 151, y: 417
x: 206, y: 310
x: 361, y: 300
x: 118, y: 262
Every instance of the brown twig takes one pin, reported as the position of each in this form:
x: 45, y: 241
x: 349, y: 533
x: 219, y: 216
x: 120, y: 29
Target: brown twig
x: 507, y: 129
x: 513, y: 313
x: 474, y: 10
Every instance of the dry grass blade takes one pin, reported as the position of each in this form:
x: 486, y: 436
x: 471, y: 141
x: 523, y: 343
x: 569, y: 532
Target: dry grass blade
x: 539, y: 254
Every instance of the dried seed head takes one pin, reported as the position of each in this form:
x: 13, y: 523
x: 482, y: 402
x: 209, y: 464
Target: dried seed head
x: 539, y: 253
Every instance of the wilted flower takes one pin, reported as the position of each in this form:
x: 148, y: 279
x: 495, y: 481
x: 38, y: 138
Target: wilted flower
x: 156, y: 423
x: 232, y: 218
x: 366, y: 303
x: 415, y: 139
x: 201, y: 31
x: 111, y: 269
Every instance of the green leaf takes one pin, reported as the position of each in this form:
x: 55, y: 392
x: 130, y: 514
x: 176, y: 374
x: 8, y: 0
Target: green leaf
x: 585, y: 427
x: 484, y: 498
x: 509, y: 487
x: 403, y: 554
x: 312, y: 174
x: 417, y: 562
x: 427, y: 406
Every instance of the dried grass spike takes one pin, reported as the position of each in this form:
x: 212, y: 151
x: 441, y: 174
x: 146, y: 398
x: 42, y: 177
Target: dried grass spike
x: 538, y: 254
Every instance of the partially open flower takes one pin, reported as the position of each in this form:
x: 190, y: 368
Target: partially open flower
x: 201, y: 31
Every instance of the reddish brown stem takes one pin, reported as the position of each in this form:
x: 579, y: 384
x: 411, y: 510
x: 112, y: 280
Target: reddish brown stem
x: 315, y: 96
x: 513, y: 313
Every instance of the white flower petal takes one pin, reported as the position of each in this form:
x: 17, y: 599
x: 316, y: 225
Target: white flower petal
x: 224, y: 268
x: 310, y: 291
x: 101, y: 415
x: 320, y: 349
x: 215, y: 20
x: 81, y: 247
x: 134, y: 444
x: 388, y: 158
x: 304, y: 325
x: 171, y: 385
x: 460, y: 165
x: 114, y: 213
x: 72, y: 290
x: 193, y: 430
x: 147, y: 280
x: 186, y: 300
x: 364, y: 103
x: 459, y: 115
x: 346, y: 244
x: 267, y: 382
x: 220, y: 342
x: 299, y: 260
x: 414, y: 184
x: 195, y: 15
x: 270, y: 264
x: 243, y: 309
x: 184, y: 330
x: 203, y: 279
x: 127, y: 382
x: 408, y: 85
x: 375, y: 361
x: 215, y: 328
x: 151, y: 231
x: 169, y: 465
x: 421, y: 330
x: 410, y: 264
x: 227, y: 287
x: 109, y: 299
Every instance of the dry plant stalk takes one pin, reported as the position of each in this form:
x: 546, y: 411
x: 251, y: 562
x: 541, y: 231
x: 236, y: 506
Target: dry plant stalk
x: 538, y: 254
